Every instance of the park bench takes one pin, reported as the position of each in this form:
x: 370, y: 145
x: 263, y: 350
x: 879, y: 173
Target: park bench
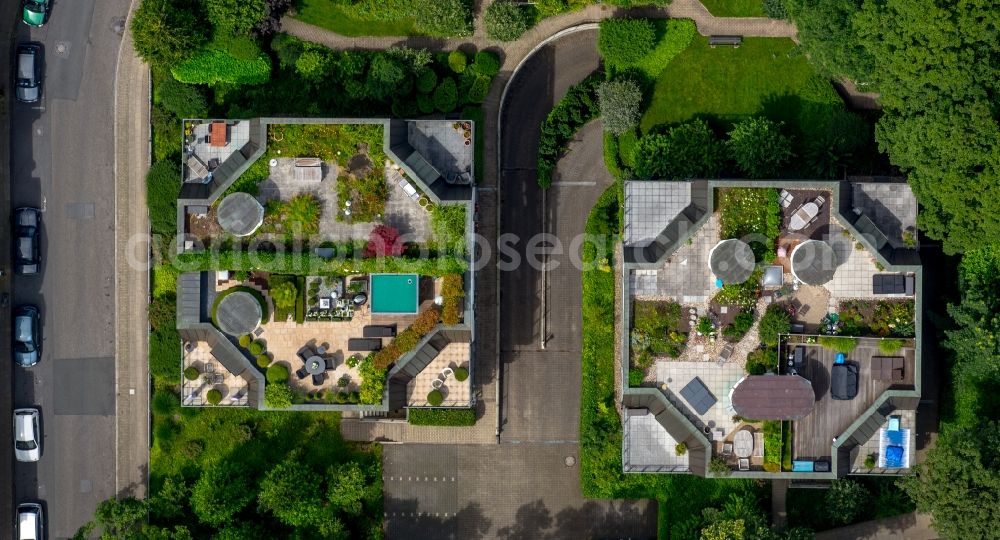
x: 734, y: 41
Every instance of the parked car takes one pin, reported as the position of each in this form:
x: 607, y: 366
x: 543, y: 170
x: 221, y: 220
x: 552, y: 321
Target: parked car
x: 29, y: 521
x: 35, y: 12
x: 27, y: 438
x: 26, y: 251
x: 28, y: 78
x: 27, y: 346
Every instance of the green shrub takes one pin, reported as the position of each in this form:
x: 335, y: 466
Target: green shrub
x: 441, y: 417
x: 841, y: 344
x: 688, y: 150
x: 506, y: 21
x: 871, y: 461
x: 165, y: 402
x: 277, y: 396
x: 740, y: 326
x: 372, y: 382
x: 163, y: 186
x: 775, y: 9
x: 719, y: 467
x: 191, y: 373
x: 257, y: 348
x: 213, y: 396
x: 263, y: 360
x: 165, y: 33
x: 744, y: 295
x: 425, y: 103
x: 486, y: 63
x: 623, y: 42
x: 758, y: 147
x: 751, y: 213
x: 760, y: 361
x: 435, y: 398
x: 890, y: 346
x: 446, y: 95
x: 426, y: 81
x: 479, y: 89
x: 457, y: 61
x: 775, y: 321
x: 620, y: 104
x: 635, y: 377
x: 680, y: 449
x: 182, y: 100
x: 217, y: 66
x: 237, y: 16
x: 245, y: 340
x: 461, y: 374
x: 343, y: 381
x: 277, y: 374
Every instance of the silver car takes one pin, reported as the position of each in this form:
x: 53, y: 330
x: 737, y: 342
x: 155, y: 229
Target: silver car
x: 27, y: 438
x: 28, y: 77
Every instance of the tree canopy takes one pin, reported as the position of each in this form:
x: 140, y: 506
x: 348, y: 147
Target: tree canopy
x: 620, y: 101
x: 758, y: 147
x: 689, y: 150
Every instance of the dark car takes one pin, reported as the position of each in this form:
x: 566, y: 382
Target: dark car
x: 844, y: 381
x: 35, y: 12
x: 26, y: 252
x: 27, y: 346
x: 28, y: 74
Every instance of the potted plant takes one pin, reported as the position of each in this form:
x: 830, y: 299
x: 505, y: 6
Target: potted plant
x: 680, y: 449
x: 191, y: 373
x: 871, y: 461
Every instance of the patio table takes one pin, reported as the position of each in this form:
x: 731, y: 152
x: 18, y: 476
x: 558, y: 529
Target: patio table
x: 802, y: 216
x: 743, y: 443
x: 315, y: 365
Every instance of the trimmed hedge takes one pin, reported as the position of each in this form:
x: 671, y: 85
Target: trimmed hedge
x: 213, y: 396
x: 245, y: 340
x: 192, y: 373
x: 257, y: 348
x: 623, y: 42
x: 308, y: 264
x: 573, y: 111
x: 435, y: 398
x: 263, y: 360
x: 461, y: 374
x: 441, y: 417
x: 215, y: 66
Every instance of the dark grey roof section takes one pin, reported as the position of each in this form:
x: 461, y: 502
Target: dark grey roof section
x: 411, y: 364
x: 650, y: 207
x: 684, y: 224
x: 698, y: 396
x: 231, y: 169
x: 239, y: 214
x: 814, y: 262
x: 732, y: 261
x: 773, y: 397
x: 189, y: 298
x: 398, y: 145
x: 679, y: 428
x: 238, y: 313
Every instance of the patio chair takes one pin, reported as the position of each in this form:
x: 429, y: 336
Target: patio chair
x: 319, y: 379
x: 302, y: 373
x: 210, y: 367
x: 744, y: 464
x: 727, y: 448
x: 304, y: 353
x: 785, y: 198
x: 820, y: 201
x: 331, y: 364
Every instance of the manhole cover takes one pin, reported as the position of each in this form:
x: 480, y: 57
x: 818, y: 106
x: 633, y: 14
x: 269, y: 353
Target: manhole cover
x: 570, y: 461
x: 62, y: 49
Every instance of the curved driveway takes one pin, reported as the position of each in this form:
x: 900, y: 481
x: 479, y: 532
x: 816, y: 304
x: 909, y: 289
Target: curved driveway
x: 528, y: 486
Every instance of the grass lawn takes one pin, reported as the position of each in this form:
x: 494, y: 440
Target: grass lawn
x: 726, y: 84
x: 336, y: 18
x: 735, y: 8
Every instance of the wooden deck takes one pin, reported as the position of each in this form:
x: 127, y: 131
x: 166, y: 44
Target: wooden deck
x: 813, y: 435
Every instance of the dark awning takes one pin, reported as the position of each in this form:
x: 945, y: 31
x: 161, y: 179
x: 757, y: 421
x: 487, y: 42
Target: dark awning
x: 773, y: 397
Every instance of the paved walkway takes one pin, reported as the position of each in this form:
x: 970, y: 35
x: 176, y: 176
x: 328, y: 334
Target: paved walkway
x: 131, y: 279
x: 911, y: 526
x: 779, y: 496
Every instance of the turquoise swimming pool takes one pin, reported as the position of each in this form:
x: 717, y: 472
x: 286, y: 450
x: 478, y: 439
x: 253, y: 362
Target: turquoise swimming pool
x: 394, y: 293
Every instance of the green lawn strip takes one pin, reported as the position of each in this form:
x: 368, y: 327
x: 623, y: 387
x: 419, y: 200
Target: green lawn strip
x: 673, y: 37
x: 786, y: 446
x: 442, y: 417
x: 727, y: 84
x: 339, y: 19
x: 735, y: 8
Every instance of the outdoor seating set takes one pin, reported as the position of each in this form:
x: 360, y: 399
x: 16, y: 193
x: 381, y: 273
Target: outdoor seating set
x: 329, y: 301
x: 805, y: 214
x: 441, y: 379
x: 315, y: 364
x: 887, y: 368
x: 744, y: 445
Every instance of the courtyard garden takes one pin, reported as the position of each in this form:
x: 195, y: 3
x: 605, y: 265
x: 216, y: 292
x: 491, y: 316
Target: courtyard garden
x: 657, y: 332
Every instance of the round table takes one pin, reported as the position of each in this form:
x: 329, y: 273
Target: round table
x: 315, y: 365
x: 743, y: 443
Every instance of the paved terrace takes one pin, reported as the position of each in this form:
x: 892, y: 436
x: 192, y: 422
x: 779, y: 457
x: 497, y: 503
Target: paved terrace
x: 456, y: 393
x: 214, y: 375
x: 401, y: 211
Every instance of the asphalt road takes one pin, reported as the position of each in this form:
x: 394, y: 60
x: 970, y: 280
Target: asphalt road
x: 62, y: 157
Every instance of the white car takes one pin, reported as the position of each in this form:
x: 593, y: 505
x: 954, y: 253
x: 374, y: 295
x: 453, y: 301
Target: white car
x: 27, y: 439
x: 29, y: 521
